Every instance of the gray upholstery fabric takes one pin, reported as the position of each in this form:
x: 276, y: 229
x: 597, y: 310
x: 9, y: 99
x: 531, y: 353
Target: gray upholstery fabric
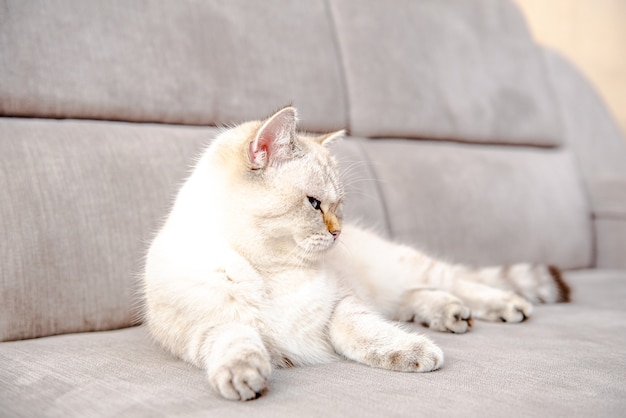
x: 80, y: 201
x: 608, y: 197
x: 484, y: 205
x: 600, y: 149
x: 180, y: 61
x: 565, y: 361
x: 588, y: 126
x: 456, y: 69
x: 610, y: 242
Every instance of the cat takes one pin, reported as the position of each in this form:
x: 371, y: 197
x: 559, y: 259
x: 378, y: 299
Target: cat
x: 255, y: 269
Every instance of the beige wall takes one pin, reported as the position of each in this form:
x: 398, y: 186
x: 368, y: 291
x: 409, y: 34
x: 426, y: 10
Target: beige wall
x: 592, y: 34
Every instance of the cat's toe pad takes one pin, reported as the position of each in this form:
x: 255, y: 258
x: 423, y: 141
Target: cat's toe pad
x: 241, y: 379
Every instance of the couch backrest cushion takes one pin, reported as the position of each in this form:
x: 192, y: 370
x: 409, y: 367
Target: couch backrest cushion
x: 80, y: 202
x: 456, y: 69
x: 593, y: 135
x: 184, y: 61
x: 595, y: 138
x: 484, y: 205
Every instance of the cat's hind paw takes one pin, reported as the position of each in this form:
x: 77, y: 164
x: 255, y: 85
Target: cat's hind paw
x: 537, y: 283
x: 435, y: 309
x: 508, y: 308
x: 455, y: 318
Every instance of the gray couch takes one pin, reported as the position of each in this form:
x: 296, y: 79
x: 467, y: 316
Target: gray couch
x: 467, y: 140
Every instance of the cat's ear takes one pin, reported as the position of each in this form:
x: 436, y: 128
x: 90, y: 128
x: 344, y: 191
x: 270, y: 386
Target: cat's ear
x: 328, y: 138
x: 274, y: 141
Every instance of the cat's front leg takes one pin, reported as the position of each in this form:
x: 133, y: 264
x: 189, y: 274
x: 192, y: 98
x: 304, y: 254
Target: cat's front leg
x: 238, y: 364
x: 364, y: 336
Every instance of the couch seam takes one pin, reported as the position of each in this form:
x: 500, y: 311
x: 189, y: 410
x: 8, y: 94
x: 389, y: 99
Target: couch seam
x: 341, y: 63
x: 608, y: 215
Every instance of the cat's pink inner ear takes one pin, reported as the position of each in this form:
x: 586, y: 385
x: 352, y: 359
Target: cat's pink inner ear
x: 273, y: 141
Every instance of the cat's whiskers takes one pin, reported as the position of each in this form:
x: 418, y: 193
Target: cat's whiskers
x: 353, y: 181
x: 342, y: 246
x: 298, y: 257
x: 307, y: 251
x: 361, y: 193
x: 346, y: 172
x: 348, y: 169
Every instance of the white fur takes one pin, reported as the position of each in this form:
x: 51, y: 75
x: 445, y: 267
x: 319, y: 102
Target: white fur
x: 246, y: 275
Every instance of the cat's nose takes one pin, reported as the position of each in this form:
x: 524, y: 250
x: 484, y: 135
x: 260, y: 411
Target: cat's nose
x: 335, y: 233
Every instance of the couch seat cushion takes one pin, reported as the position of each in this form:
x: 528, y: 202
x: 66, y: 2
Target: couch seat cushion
x: 568, y: 360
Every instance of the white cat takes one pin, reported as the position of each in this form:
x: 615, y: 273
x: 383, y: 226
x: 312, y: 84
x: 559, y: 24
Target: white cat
x: 247, y: 273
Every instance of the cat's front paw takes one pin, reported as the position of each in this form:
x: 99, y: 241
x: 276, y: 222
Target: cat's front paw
x: 418, y: 354
x: 242, y: 378
x: 509, y: 307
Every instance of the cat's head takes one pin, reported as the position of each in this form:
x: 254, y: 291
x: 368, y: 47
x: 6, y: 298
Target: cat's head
x: 284, y: 192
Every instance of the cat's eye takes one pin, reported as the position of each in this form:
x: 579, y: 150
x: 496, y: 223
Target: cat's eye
x: 315, y: 203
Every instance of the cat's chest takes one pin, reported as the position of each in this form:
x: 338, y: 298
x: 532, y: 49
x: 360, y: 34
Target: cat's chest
x: 297, y: 314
